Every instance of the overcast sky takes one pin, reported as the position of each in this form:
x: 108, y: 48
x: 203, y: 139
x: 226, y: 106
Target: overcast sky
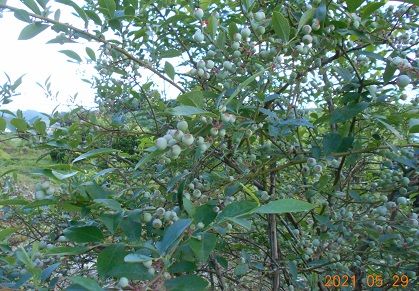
x: 39, y: 60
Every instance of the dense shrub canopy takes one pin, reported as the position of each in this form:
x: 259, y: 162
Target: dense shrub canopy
x: 237, y: 145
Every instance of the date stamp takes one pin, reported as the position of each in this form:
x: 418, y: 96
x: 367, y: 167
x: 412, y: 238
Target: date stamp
x: 371, y: 281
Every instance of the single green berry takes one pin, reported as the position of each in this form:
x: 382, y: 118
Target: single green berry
x: 123, y: 282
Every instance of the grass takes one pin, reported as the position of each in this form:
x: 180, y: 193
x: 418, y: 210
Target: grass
x: 16, y: 154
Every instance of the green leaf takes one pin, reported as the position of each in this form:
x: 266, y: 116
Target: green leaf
x: 47, y: 272
x: 389, y: 72
x: 244, y: 84
x: 85, y: 283
x: 109, y: 6
x: 109, y: 203
x: 110, y: 263
x: 23, y: 15
x: 347, y: 112
x: 203, y: 248
x: 305, y: 18
x: 335, y: 143
x: 389, y: 127
x: 236, y: 209
x: 186, y: 283
x: 281, y: 25
x: 19, y: 123
x: 185, y: 110
x: 71, y: 54
x: 131, y: 225
x: 193, y: 98
x: 170, y: 53
x: 353, y: 4
x: 66, y: 251
x: 414, y: 125
x: 83, y: 234
x: 79, y: 10
x: 5, y: 233
x: 171, y: 235
x: 3, y: 124
x: 40, y: 126
x: 205, y: 214
x: 31, y: 4
x: 136, y: 258
x: 370, y: 8
x: 91, y: 53
x: 169, y: 70
x: 32, y: 30
x: 93, y: 153
x: 212, y: 25
x: 63, y: 176
x: 285, y: 206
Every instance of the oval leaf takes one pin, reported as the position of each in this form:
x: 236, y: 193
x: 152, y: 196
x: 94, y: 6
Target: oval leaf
x: 285, y: 206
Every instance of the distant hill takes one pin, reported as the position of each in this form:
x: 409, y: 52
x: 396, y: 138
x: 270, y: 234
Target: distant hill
x: 29, y: 115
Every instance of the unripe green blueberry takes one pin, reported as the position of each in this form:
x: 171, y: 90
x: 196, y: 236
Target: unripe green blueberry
x: 161, y: 143
x: 403, y: 81
x: 381, y: 210
x: 178, y: 135
x: 227, y: 65
x: 260, y: 29
x: 200, y: 72
x: 200, y: 225
x: 199, y: 13
x: 147, y: 217
x: 245, y: 32
x: 311, y: 161
x: 188, y: 139
x: 259, y: 16
x: 200, y: 140
x: 198, y: 36
x: 402, y: 201
x: 405, y: 181
x: 237, y: 54
x: 201, y: 64
x: 203, y: 147
x: 237, y: 37
x: 197, y: 193
x: 318, y: 168
x: 210, y: 65
x: 222, y: 132
x: 123, y: 282
x: 157, y: 223
x: 235, y: 45
x: 160, y: 211
x: 214, y: 131
x: 306, y: 29
x: 151, y: 271
x: 176, y: 150
x: 182, y: 125
x: 307, y: 39
x: 316, y: 24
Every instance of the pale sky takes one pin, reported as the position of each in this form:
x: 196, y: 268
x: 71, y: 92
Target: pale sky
x: 39, y: 60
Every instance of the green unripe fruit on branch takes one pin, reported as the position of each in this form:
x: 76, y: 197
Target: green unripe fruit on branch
x: 161, y: 143
x: 123, y: 282
x: 199, y: 13
x: 403, y: 81
x: 147, y: 217
x: 260, y: 15
x: 198, y: 36
x: 182, y: 125
x: 245, y: 32
x: 157, y: 223
x: 188, y: 139
x: 306, y: 29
